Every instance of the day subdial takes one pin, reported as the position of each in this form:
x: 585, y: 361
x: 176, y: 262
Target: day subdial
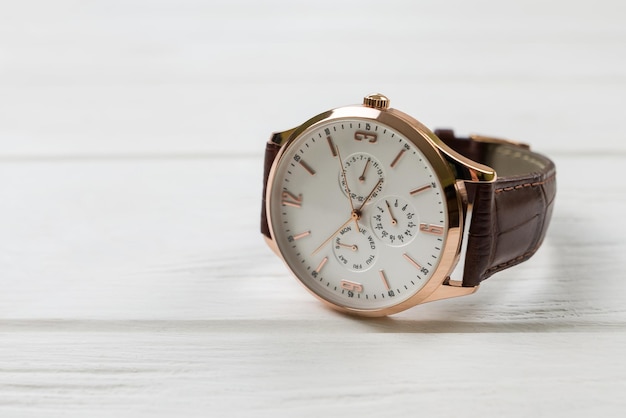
x: 354, y: 250
x: 394, y: 221
x: 365, y: 176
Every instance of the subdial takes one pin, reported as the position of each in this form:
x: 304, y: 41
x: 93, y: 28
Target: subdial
x: 354, y: 250
x: 363, y: 172
x: 394, y: 221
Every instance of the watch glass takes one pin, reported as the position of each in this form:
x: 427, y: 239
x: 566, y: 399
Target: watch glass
x: 358, y: 213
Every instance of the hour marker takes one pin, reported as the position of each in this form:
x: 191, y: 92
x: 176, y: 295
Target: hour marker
x: 321, y: 265
x: 331, y: 144
x: 395, y: 160
x: 410, y: 260
x: 307, y: 167
x: 384, y: 278
x: 351, y: 286
x: 302, y: 235
x: 431, y: 229
x: 290, y: 199
x: 420, y: 189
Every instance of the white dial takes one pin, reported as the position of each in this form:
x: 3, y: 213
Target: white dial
x: 327, y: 189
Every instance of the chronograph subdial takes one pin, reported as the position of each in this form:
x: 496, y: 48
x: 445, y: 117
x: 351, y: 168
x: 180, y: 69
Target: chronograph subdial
x: 394, y: 221
x: 363, y: 173
x: 356, y: 251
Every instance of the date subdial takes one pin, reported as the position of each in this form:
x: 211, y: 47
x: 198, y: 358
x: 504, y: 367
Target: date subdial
x: 394, y: 221
x: 354, y: 250
x: 363, y: 172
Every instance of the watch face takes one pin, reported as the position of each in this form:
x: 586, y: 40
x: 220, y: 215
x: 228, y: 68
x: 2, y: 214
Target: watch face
x: 359, y: 213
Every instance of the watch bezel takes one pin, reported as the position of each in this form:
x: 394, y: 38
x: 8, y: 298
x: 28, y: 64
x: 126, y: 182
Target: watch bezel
x: 426, y: 141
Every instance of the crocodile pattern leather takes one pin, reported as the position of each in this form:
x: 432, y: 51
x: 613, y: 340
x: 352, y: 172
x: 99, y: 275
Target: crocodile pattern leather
x: 511, y: 215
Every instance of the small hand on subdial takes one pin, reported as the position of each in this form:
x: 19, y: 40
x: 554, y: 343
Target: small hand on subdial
x: 351, y: 246
x: 394, y: 222
x: 362, y: 176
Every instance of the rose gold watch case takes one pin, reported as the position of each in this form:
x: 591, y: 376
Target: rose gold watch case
x: 445, y: 162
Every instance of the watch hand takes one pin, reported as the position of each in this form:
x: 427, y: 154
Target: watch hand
x: 345, y: 180
x: 369, y: 196
x: 354, y: 216
x: 393, y: 220
x: 352, y: 247
x: 362, y: 177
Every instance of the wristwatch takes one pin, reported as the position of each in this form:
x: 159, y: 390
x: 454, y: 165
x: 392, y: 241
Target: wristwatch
x: 371, y: 211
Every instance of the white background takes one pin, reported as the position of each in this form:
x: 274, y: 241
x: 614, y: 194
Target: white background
x: 133, y: 279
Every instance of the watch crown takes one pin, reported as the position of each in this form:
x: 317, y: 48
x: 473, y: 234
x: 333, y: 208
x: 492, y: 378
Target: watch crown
x: 377, y: 101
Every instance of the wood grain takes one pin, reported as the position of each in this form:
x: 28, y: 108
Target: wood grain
x: 143, y: 288
x: 134, y: 281
x: 139, y: 77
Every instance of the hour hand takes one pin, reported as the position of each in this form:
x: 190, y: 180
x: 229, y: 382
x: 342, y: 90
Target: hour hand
x: 355, y: 215
x: 353, y: 247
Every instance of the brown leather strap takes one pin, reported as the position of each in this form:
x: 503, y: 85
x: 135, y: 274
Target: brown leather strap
x: 510, y: 216
x: 271, y: 150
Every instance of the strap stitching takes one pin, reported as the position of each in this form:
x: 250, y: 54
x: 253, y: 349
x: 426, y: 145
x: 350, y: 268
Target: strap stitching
x: 514, y: 261
x: 525, y: 185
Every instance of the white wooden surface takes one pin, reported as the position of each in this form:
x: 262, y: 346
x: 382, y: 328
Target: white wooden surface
x: 133, y: 279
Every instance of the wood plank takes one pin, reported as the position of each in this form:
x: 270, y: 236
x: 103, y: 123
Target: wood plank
x: 177, y: 239
x: 142, y: 287
x: 192, y: 77
x: 310, y: 372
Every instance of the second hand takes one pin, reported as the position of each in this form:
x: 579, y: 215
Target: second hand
x: 327, y: 240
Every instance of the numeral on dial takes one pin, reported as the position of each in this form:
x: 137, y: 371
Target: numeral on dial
x: 431, y: 229
x: 365, y: 136
x: 290, y: 199
x: 351, y: 286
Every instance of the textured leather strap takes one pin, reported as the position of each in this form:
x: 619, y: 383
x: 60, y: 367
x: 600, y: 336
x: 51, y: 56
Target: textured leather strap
x: 510, y: 216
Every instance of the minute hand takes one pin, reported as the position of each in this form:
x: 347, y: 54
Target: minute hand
x: 370, y: 195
